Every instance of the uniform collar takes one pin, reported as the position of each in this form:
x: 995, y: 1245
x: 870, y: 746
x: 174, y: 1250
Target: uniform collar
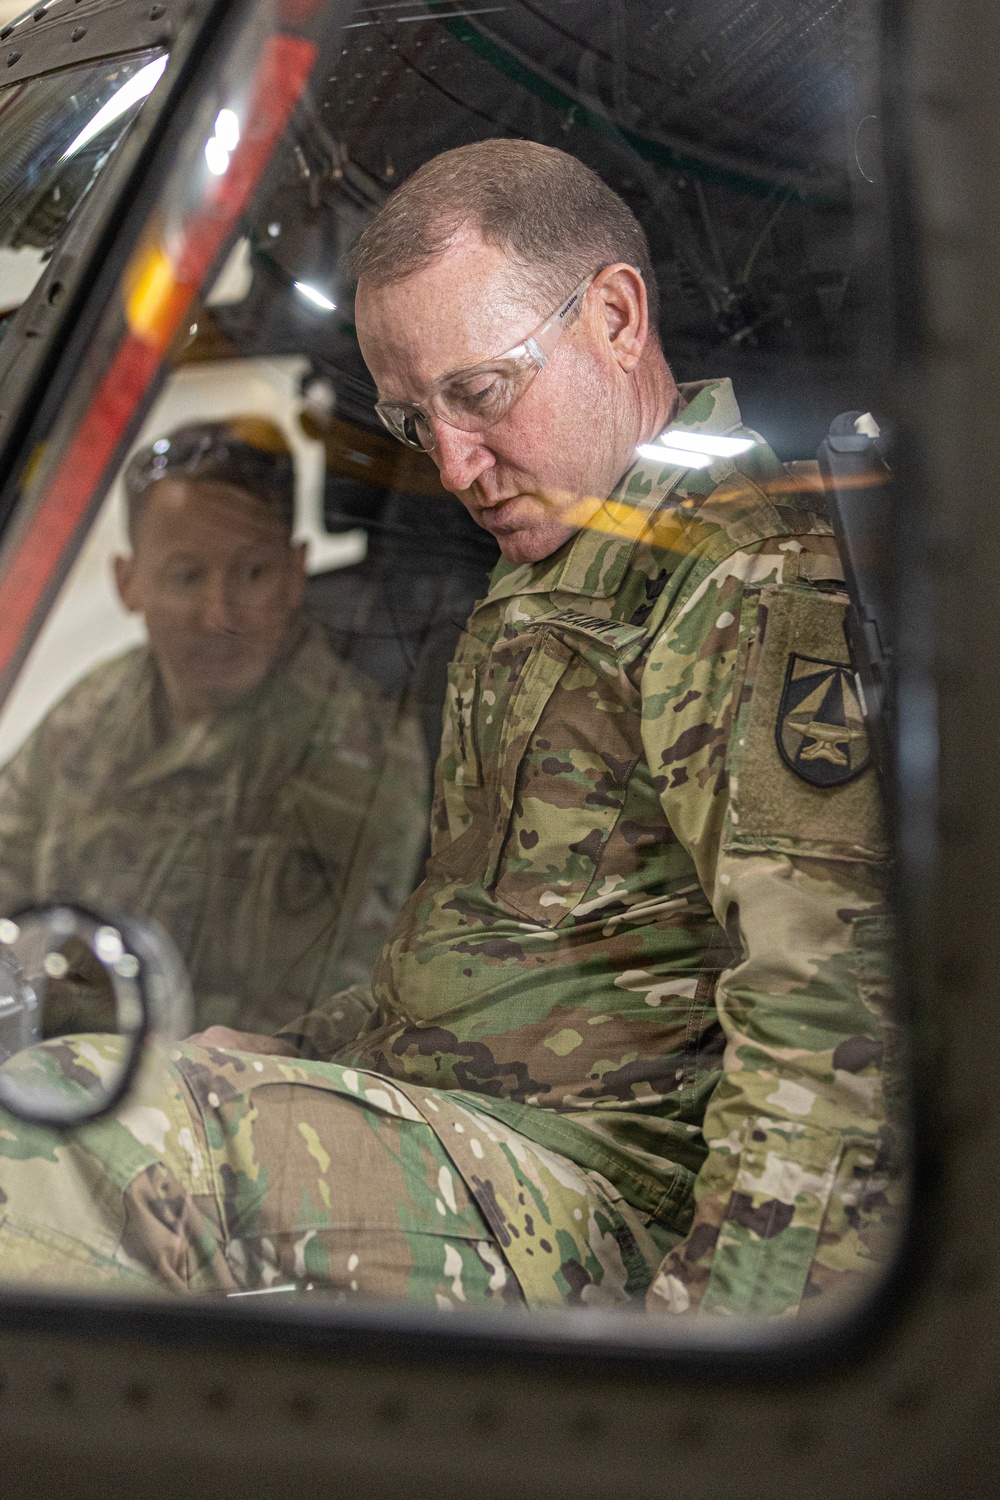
x: 594, y: 563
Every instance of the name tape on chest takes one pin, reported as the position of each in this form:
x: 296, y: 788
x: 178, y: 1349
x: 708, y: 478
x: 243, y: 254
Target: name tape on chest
x: 614, y: 634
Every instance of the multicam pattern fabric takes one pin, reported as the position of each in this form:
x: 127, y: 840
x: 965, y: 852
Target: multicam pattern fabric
x: 648, y: 964
x: 229, y: 1173
x: 275, y: 842
x: 641, y: 940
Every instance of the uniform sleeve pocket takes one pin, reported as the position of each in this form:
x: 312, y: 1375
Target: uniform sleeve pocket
x: 770, y: 1232
x: 326, y: 820
x: 802, y: 780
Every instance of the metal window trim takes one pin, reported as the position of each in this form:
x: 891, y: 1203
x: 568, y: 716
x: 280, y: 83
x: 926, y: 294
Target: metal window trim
x: 69, y: 32
x: 40, y: 331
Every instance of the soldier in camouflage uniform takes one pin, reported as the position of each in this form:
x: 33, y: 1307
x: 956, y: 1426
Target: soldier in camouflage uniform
x: 625, y: 1041
x: 234, y: 779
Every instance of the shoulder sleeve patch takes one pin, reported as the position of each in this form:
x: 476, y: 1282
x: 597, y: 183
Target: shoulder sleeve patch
x: 802, y: 779
x: 820, y: 729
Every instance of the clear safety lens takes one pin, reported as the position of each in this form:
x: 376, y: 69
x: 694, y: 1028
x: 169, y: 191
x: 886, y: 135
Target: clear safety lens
x: 416, y: 431
x: 482, y: 399
x: 406, y: 423
x: 470, y: 403
x: 482, y: 395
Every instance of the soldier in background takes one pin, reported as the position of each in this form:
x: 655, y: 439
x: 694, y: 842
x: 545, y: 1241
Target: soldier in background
x: 232, y: 779
x: 625, y: 1040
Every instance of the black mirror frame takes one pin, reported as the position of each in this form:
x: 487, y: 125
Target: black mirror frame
x: 137, y: 942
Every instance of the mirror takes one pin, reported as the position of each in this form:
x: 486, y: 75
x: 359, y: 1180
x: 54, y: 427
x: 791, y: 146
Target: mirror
x: 70, y: 979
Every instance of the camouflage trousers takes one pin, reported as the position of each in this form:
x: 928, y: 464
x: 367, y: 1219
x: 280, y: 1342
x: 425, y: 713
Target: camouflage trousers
x: 228, y: 1173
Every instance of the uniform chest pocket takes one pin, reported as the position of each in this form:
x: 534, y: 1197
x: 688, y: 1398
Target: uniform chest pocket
x: 315, y: 835
x: 297, y: 867
x: 569, y: 743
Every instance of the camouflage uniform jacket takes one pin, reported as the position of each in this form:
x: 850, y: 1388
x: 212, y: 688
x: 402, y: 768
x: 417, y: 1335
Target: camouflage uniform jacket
x: 275, y: 841
x: 650, y: 933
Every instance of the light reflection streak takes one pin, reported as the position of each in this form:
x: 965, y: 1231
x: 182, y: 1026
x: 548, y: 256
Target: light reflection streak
x: 674, y: 524
x: 138, y: 87
x: 441, y: 15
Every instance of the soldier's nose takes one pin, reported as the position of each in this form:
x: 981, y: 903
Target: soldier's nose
x: 460, y: 456
x: 217, y: 612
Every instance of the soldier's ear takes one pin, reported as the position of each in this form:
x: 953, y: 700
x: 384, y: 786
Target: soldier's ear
x: 125, y: 583
x: 624, y: 305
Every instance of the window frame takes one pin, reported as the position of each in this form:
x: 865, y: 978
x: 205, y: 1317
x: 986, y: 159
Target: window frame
x: 588, y: 1342
x: 63, y: 304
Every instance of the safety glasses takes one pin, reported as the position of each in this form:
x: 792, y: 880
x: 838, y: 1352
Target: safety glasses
x: 213, y: 450
x: 481, y: 395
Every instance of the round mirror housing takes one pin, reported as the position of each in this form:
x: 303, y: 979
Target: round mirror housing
x: 107, y: 982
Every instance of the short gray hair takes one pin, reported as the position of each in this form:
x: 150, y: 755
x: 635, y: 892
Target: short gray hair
x: 553, y: 215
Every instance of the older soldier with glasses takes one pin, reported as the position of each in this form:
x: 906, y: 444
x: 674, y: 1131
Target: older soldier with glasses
x: 625, y: 1040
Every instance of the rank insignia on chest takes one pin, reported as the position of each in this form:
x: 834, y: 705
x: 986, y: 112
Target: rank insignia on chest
x: 821, y: 729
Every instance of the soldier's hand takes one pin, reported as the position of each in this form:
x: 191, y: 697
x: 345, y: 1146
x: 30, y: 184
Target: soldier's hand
x: 243, y: 1041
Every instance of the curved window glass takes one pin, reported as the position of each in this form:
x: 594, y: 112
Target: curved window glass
x: 599, y: 1013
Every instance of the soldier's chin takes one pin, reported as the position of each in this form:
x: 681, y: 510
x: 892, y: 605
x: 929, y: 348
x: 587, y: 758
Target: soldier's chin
x: 528, y: 527
x: 532, y: 543
x: 222, y: 687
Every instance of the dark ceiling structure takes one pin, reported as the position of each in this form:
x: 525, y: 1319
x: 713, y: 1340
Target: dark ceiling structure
x: 743, y: 135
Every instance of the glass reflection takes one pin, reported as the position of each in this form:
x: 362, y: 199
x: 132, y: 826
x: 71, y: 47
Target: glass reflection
x: 623, y: 1044
x: 221, y: 777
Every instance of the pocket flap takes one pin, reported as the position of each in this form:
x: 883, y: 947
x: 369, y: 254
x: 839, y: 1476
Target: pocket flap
x: 539, y: 679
